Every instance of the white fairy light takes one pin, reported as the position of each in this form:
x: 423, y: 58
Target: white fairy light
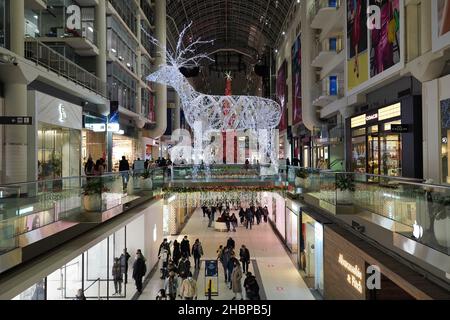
x: 244, y: 112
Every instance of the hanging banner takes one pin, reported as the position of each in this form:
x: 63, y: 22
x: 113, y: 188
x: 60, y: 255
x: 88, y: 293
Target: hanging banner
x: 440, y: 23
x: 296, y: 82
x: 281, y: 93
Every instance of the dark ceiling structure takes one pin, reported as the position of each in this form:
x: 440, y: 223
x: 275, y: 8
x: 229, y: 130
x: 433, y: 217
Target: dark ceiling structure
x: 241, y: 30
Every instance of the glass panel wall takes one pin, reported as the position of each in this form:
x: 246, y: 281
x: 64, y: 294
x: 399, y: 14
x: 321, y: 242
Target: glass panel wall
x: 127, y: 11
x: 58, y: 152
x: 122, y: 87
x: 91, y: 271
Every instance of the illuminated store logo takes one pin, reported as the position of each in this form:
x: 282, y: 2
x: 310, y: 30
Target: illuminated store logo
x: 62, y: 113
x: 354, y: 277
x: 372, y: 117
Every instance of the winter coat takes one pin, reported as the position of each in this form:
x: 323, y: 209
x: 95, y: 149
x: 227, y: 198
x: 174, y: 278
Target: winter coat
x: 184, y: 267
x: 236, y: 277
x: 139, y: 268
x: 244, y: 254
x: 188, y: 288
x: 197, y: 250
x: 117, y: 271
x: 171, y: 285
x: 176, y: 253
x: 230, y: 243
x: 185, y: 246
x: 124, y: 261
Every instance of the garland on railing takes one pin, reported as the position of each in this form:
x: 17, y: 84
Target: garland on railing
x: 224, y: 189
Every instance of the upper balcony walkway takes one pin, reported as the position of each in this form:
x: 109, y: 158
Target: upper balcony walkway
x: 413, y: 213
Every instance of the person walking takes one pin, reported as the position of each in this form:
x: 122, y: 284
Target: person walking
x: 184, y: 267
x: 251, y: 287
x: 188, y: 289
x: 164, y: 245
x: 242, y: 215
x: 185, y: 247
x: 211, y: 216
x: 139, y: 270
x: 164, y: 258
x: 224, y: 259
x: 80, y: 295
x: 266, y: 213
x: 117, y: 276
x: 227, y: 218
x: 244, y: 255
x: 171, y: 286
x: 124, y: 168
x: 176, y: 252
x: 234, y: 221
x: 197, y: 252
x: 161, y: 295
x: 124, y: 257
x: 89, y: 167
x: 249, y: 217
x: 230, y: 243
x: 230, y: 267
x: 236, y: 277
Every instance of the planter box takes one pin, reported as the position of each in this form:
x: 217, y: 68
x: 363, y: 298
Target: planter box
x: 92, y: 203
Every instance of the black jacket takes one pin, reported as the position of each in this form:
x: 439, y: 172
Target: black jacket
x: 230, y: 243
x: 124, y: 165
x: 251, y: 285
x: 244, y: 254
x: 185, y: 247
x: 139, y: 268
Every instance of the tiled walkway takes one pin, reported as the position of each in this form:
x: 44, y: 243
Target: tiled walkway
x: 276, y: 273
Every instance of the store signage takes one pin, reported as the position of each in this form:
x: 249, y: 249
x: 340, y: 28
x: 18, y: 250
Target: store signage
x: 113, y: 127
x: 372, y: 117
x: 354, y: 276
x: 96, y: 127
x: 400, y: 128
x: 62, y: 113
x: 16, y: 120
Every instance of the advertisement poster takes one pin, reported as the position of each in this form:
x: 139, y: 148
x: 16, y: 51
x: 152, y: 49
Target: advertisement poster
x: 357, y: 53
x: 282, y: 94
x: 440, y: 24
x: 296, y: 82
x: 385, y: 41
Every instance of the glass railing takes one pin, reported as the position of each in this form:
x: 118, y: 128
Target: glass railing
x: 47, y: 57
x: 25, y: 207
x: 414, y: 209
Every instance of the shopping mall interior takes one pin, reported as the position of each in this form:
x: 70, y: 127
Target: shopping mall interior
x: 224, y: 149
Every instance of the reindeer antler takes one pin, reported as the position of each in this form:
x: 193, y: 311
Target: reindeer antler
x: 179, y: 58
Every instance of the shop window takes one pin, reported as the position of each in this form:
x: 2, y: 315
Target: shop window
x: 359, y: 154
x: 445, y: 137
x: 35, y: 292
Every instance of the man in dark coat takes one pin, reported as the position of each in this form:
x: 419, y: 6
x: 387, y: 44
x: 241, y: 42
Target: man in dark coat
x: 124, y: 257
x: 124, y: 167
x: 185, y: 247
x: 249, y: 216
x: 244, y: 255
x: 139, y: 270
x: 230, y: 243
x: 251, y: 287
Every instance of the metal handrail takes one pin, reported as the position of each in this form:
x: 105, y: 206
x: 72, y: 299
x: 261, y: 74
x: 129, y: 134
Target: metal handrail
x: 43, y: 55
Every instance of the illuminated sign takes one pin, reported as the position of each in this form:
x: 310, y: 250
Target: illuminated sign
x: 62, y: 113
x: 354, y: 277
x: 96, y: 127
x: 372, y: 117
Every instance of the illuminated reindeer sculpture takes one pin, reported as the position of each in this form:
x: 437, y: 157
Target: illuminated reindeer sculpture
x: 243, y: 112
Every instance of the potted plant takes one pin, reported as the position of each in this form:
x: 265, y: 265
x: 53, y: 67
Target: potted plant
x: 345, y: 186
x: 301, y: 178
x: 92, y: 194
x: 147, y: 180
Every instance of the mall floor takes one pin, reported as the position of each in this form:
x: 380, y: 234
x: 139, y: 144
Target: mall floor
x: 277, y: 276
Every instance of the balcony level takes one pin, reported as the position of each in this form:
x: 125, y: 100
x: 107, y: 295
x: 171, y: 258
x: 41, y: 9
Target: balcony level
x: 36, y: 4
x: 327, y: 91
x: 322, y: 12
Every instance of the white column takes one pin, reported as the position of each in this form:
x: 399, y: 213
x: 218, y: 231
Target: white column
x: 309, y: 114
x: 100, y: 26
x: 17, y: 13
x: 425, y: 26
x: 16, y: 142
x: 139, y: 66
x: 161, y: 90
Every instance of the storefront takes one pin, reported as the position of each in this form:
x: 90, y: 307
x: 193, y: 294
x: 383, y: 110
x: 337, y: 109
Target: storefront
x: 292, y: 220
x: 311, y: 251
x: 58, y: 138
x: 93, y: 142
x: 349, y: 272
x: 381, y: 140
x: 124, y: 145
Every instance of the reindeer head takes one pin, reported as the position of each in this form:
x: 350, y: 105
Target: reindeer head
x: 184, y: 56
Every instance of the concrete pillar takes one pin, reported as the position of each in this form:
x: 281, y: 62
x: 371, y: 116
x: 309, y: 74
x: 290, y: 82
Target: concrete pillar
x: 139, y: 66
x: 100, y: 26
x: 16, y: 142
x: 425, y: 26
x: 17, y: 12
x: 309, y: 113
x: 161, y: 90
x: 412, y: 34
